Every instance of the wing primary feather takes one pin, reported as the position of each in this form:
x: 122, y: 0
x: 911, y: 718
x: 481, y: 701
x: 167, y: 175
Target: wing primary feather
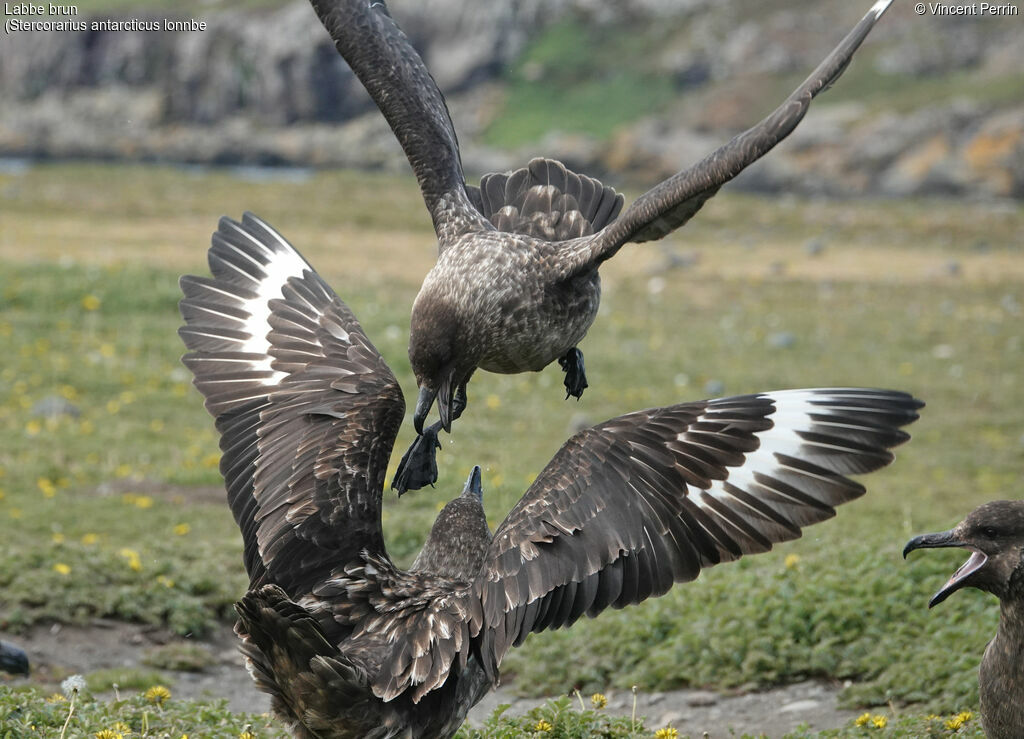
x: 633, y: 505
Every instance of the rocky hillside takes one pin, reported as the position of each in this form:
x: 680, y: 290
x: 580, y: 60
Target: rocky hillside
x: 931, y: 105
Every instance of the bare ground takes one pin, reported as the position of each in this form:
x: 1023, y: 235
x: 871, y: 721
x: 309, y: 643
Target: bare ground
x: 59, y: 650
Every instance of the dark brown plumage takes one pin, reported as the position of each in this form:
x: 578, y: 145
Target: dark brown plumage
x: 994, y: 534
x: 516, y: 283
x: 348, y: 644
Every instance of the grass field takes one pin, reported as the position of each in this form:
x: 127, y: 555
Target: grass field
x: 115, y: 511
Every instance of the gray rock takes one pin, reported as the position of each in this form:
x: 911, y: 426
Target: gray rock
x: 781, y: 340
x: 678, y: 260
x: 701, y: 698
x: 814, y: 247
x: 801, y: 706
x: 54, y: 406
x: 714, y: 388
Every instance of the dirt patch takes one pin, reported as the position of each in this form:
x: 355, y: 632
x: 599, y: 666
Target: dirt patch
x: 698, y: 713
x: 58, y: 650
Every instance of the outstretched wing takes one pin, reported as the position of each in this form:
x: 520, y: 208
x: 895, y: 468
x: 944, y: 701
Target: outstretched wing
x: 631, y: 506
x: 673, y: 202
x: 392, y: 72
x: 306, y: 407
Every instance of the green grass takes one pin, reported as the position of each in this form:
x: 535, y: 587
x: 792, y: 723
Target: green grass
x: 577, y: 78
x: 117, y: 513
x: 29, y: 713
x: 881, y: 92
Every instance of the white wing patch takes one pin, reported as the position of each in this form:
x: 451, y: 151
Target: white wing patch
x: 266, y: 281
x: 880, y: 7
x: 796, y: 411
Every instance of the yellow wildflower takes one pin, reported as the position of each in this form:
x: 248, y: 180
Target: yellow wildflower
x: 33, y: 427
x: 181, y: 529
x: 959, y: 720
x: 246, y: 735
x: 879, y: 722
x: 667, y: 733
x: 108, y: 734
x: 122, y: 727
x: 62, y: 569
x: 165, y: 581
x: 158, y: 694
x: 46, y: 487
x: 863, y: 720
x: 542, y: 726
x: 792, y: 560
x: 91, y: 303
x: 89, y: 539
x: 598, y: 700
x: 133, y: 559
x: 56, y: 698
x: 57, y: 537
